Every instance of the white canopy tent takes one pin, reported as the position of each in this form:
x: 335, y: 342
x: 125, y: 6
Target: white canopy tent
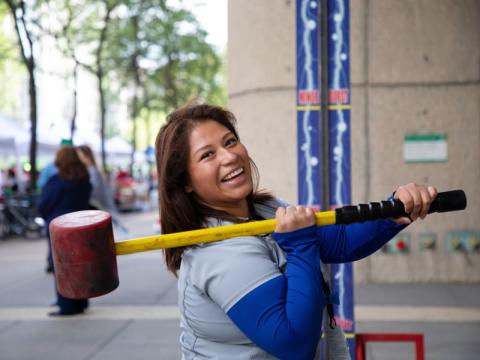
x: 7, y: 146
x: 15, y: 142
x: 10, y: 131
x: 16, y: 139
x: 12, y: 136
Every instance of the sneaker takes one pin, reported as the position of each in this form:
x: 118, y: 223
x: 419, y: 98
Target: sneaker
x: 59, y: 313
x: 49, y: 269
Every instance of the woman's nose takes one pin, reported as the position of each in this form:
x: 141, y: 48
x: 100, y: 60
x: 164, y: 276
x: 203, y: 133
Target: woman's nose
x: 227, y: 156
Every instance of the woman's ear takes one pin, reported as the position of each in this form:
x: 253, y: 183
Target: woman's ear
x: 188, y: 188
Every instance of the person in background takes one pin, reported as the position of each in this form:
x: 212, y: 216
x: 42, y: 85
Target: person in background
x: 49, y: 170
x: 11, y: 185
x: 251, y: 297
x: 45, y: 174
x: 102, y: 197
x: 67, y: 191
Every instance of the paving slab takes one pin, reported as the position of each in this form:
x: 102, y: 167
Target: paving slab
x: 139, y: 320
x: 443, y: 340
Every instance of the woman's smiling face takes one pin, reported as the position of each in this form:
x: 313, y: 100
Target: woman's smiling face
x: 219, y: 168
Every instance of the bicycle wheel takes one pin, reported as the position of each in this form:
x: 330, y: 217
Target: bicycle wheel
x: 4, y: 226
x: 33, y: 230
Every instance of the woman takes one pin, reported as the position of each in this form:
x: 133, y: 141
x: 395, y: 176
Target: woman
x: 250, y: 297
x: 67, y: 191
x: 102, y: 197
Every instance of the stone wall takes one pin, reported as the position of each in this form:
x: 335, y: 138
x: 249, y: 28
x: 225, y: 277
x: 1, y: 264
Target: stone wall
x: 415, y: 69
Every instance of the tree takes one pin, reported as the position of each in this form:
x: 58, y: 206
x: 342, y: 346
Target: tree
x: 129, y: 33
x: 84, y: 29
x: 9, y: 66
x: 156, y: 53
x: 162, y: 55
x: 100, y: 28
x: 65, y: 40
x: 186, y: 65
x: 21, y: 15
x: 5, y: 45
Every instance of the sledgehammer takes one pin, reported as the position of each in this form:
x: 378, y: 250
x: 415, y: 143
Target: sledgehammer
x: 84, y: 252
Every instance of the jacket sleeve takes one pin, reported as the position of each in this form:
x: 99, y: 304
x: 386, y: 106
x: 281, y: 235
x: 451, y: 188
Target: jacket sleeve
x: 346, y: 243
x: 94, y: 175
x: 49, y: 198
x: 283, y: 316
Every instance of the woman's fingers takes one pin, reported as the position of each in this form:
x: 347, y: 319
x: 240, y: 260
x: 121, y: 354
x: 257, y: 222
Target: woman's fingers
x: 416, y: 199
x: 280, y: 212
x: 429, y: 193
x: 432, y: 190
x: 293, y: 218
x: 426, y: 201
x: 309, y: 212
x: 405, y: 197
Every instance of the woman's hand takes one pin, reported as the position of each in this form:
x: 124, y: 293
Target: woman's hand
x: 417, y: 200
x: 83, y: 158
x: 293, y: 218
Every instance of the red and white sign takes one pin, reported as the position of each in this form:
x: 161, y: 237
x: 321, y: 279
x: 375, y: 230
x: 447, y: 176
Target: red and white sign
x: 308, y: 97
x: 339, y: 96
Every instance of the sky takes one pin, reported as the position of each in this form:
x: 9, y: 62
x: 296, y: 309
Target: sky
x: 212, y: 15
x: 208, y: 10
x: 204, y: 10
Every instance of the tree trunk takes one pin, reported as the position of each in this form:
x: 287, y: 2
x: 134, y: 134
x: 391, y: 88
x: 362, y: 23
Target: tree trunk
x: 26, y: 50
x: 136, y: 88
x: 73, y: 125
x: 171, y: 87
x: 100, y: 74
x: 103, y: 111
x: 148, y: 125
x: 33, y: 126
x: 134, y: 129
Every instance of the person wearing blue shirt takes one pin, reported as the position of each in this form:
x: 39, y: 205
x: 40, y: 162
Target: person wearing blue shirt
x: 250, y: 297
x: 67, y: 191
x: 50, y: 169
x: 47, y: 172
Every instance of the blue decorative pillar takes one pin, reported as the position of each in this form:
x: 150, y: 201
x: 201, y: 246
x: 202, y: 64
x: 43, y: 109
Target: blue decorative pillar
x: 339, y: 107
x: 309, y: 147
x: 319, y: 168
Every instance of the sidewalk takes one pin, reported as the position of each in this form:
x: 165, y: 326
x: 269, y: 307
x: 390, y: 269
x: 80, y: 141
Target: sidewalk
x: 140, y: 319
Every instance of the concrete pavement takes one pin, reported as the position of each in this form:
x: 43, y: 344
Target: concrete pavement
x: 140, y: 319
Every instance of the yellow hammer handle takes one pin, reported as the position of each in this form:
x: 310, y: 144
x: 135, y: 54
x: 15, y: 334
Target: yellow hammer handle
x: 192, y: 237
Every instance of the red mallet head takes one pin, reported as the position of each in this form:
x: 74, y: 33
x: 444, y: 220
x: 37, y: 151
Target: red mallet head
x: 84, y: 254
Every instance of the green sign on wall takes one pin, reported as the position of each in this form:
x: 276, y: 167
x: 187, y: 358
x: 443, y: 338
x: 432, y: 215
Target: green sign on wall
x: 428, y: 148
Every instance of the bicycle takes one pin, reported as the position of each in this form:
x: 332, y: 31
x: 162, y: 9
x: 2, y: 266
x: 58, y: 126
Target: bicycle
x: 19, y: 216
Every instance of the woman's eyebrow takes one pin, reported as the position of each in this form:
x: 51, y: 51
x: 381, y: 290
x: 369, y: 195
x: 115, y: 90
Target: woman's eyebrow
x: 204, y: 147
x: 227, y: 134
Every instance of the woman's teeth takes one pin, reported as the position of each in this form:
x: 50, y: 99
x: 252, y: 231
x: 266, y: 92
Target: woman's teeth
x: 233, y: 174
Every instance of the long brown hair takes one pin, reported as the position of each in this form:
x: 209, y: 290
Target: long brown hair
x: 179, y: 210
x: 69, y: 165
x: 87, y: 151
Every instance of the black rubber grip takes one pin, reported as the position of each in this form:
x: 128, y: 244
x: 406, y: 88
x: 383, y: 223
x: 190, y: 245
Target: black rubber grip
x: 445, y: 201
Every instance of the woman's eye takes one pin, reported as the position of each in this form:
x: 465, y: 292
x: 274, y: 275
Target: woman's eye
x: 206, y: 155
x: 231, y: 141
